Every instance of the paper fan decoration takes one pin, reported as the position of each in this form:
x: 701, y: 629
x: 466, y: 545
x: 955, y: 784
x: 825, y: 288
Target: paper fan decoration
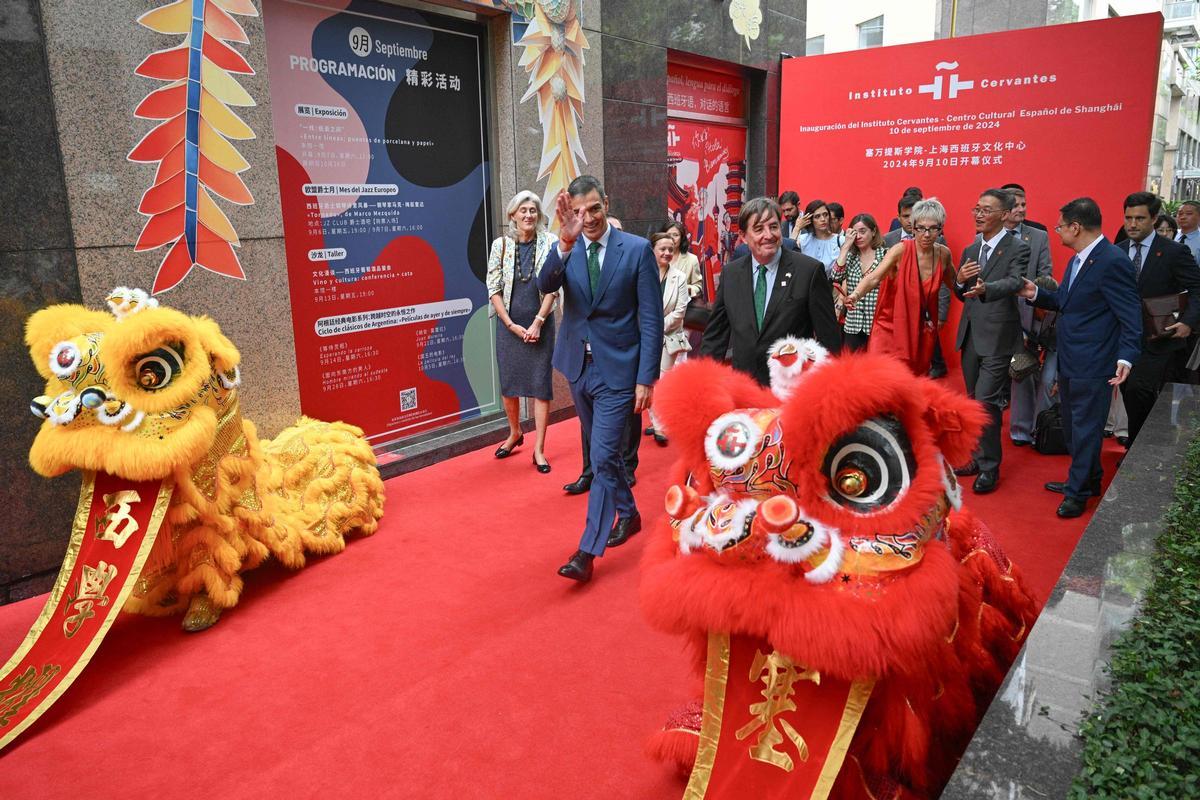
x: 191, y: 144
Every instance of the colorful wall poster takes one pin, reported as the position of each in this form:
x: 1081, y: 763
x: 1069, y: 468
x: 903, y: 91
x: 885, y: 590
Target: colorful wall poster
x: 705, y: 188
x: 381, y: 140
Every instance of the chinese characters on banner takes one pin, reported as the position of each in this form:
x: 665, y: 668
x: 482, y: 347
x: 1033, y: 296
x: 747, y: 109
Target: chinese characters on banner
x: 1069, y: 117
x: 383, y: 175
x: 707, y: 158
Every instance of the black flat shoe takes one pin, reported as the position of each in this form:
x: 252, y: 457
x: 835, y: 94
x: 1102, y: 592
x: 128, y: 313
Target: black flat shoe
x: 649, y: 431
x: 542, y: 468
x: 968, y: 469
x: 1071, y: 507
x: 578, y: 486
x: 505, y: 452
x: 987, y: 481
x: 659, y: 439
x: 578, y: 568
x: 623, y: 530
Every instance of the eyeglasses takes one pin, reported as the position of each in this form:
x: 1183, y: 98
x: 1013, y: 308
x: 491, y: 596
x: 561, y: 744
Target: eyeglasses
x: 921, y: 230
x: 981, y: 210
x: 1062, y: 225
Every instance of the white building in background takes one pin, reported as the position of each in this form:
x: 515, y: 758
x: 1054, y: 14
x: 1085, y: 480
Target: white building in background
x: 1173, y: 170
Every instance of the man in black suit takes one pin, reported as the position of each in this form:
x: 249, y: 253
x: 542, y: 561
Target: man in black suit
x: 768, y: 294
x: 989, y: 332
x: 1162, y: 267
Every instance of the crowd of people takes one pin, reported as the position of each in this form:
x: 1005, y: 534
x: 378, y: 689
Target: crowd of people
x: 1047, y: 353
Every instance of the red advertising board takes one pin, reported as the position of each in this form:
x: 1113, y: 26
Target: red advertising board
x: 698, y: 92
x: 1065, y: 111
x: 705, y: 187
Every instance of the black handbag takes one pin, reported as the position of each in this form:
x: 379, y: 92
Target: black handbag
x: 695, y: 317
x: 1048, y: 437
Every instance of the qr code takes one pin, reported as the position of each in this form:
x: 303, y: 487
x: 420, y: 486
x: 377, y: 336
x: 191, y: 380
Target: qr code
x: 408, y: 399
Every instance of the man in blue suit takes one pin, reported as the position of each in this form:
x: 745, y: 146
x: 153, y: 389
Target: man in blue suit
x: 1099, y: 339
x: 608, y: 349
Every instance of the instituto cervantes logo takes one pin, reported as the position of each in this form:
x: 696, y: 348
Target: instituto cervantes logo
x: 935, y: 86
x: 949, y: 87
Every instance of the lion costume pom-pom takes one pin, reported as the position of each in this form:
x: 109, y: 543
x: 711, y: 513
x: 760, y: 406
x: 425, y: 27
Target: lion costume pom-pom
x: 145, y: 401
x: 851, y: 621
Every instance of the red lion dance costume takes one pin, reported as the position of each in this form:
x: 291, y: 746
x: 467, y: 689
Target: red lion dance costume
x: 851, y: 621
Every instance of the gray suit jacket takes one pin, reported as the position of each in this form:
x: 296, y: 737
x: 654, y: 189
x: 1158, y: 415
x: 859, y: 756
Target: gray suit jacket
x: 1039, y: 250
x: 992, y: 321
x: 1039, y: 264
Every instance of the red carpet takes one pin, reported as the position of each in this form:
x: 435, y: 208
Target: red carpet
x: 441, y: 658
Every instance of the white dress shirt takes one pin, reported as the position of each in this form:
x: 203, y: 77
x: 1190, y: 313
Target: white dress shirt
x: 584, y: 241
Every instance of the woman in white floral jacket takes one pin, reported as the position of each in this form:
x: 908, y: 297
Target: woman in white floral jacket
x: 524, y: 321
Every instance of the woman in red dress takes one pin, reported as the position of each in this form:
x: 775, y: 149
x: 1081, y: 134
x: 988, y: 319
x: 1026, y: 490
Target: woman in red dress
x: 906, y: 312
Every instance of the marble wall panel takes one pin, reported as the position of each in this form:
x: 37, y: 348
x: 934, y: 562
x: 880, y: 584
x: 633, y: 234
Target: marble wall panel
x: 33, y: 198
x: 37, y: 510
x: 637, y: 191
x: 635, y: 71
x: 254, y: 314
x: 640, y: 130
x: 92, y: 50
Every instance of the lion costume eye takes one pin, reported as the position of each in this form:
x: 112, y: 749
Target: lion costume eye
x: 64, y: 359
x: 871, y: 466
x: 157, y: 369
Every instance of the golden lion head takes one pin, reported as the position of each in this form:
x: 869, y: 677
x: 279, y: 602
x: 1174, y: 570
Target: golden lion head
x: 136, y: 393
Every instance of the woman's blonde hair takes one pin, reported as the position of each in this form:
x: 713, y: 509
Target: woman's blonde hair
x: 519, y: 199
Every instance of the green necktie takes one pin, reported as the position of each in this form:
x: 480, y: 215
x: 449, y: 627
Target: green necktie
x: 594, y: 265
x: 760, y: 296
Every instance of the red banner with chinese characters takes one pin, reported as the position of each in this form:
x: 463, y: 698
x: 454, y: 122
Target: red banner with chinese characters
x: 115, y: 526
x: 771, y: 727
x: 704, y: 92
x: 705, y: 188
x: 1065, y: 111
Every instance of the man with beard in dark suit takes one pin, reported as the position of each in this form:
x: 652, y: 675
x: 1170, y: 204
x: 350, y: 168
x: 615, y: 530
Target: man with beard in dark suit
x: 1163, y: 267
x: 768, y: 294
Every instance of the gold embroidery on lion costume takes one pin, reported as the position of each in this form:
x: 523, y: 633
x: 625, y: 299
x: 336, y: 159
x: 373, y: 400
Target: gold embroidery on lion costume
x: 151, y: 393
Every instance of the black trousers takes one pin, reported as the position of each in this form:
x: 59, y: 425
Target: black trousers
x: 855, y: 341
x: 1141, y: 388
x: 938, y: 361
x: 630, y: 443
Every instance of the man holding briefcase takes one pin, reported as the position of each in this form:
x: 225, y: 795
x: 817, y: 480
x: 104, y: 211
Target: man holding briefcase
x: 1164, y: 270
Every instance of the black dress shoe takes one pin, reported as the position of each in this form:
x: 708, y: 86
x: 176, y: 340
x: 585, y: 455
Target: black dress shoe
x: 1107, y: 434
x: 578, y: 568
x: 987, y: 481
x: 1071, y: 507
x: 1124, y: 441
x: 937, y: 372
x: 648, y: 431
x: 659, y: 439
x: 1021, y: 443
x: 505, y: 452
x: 968, y: 469
x: 623, y: 530
x: 1060, y: 487
x: 542, y: 468
x: 578, y: 486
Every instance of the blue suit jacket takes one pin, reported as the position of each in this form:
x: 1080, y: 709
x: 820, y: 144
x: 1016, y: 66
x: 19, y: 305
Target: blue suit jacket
x: 623, y: 322
x: 1100, y: 314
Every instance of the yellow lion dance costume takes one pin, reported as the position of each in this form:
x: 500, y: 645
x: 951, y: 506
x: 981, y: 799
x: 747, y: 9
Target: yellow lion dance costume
x: 150, y: 393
